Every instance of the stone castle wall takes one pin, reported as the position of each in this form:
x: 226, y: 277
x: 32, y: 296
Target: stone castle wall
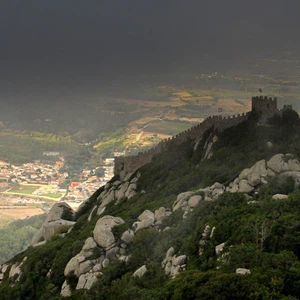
x: 129, y: 164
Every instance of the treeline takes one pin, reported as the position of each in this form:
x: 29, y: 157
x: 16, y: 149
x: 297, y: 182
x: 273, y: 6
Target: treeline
x: 18, y: 148
x: 16, y: 236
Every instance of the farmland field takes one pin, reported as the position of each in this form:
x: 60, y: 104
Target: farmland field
x: 168, y: 128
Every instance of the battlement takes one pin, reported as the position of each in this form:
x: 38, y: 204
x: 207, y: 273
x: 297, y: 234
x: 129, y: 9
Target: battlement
x: 264, y: 105
x: 129, y: 164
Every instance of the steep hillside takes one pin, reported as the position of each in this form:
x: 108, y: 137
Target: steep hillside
x: 215, y: 218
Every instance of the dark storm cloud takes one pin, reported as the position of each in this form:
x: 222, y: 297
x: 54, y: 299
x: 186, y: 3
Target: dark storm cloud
x: 49, y: 42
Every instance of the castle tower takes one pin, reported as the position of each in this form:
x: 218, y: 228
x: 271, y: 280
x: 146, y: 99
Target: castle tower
x: 264, y: 105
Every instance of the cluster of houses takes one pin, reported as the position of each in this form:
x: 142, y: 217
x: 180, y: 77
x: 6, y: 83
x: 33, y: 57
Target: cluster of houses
x: 33, y: 173
x: 49, y: 180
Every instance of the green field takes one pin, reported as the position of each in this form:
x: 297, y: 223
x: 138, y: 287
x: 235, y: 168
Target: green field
x: 21, y: 191
x: 54, y: 195
x: 169, y: 128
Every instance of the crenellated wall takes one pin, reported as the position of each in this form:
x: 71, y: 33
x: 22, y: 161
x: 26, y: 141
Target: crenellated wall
x: 129, y: 164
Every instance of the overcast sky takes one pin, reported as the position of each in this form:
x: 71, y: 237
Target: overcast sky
x: 50, y: 42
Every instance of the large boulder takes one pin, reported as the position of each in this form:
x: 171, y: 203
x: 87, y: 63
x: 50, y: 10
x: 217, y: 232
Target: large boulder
x: 140, y: 271
x: 51, y: 228
x: 57, y: 211
x: 102, y: 232
x: 55, y: 222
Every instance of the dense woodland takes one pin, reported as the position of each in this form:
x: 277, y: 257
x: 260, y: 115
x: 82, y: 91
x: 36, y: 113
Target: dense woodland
x: 262, y: 237
x: 16, y: 236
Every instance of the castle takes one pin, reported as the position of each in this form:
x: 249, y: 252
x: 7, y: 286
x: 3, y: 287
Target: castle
x: 264, y: 105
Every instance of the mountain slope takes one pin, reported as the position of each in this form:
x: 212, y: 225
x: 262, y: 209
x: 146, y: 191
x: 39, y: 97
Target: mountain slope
x: 162, y: 222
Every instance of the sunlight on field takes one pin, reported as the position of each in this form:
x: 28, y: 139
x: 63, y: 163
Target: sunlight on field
x: 12, y: 213
x: 182, y: 94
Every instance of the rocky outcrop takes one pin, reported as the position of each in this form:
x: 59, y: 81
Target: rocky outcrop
x: 208, y: 147
x: 3, y: 269
x: 54, y: 223
x: 94, y: 255
x: 116, y: 192
x: 182, y: 201
x: 280, y: 163
x: 213, y: 192
x: 251, y: 179
x: 173, y: 264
